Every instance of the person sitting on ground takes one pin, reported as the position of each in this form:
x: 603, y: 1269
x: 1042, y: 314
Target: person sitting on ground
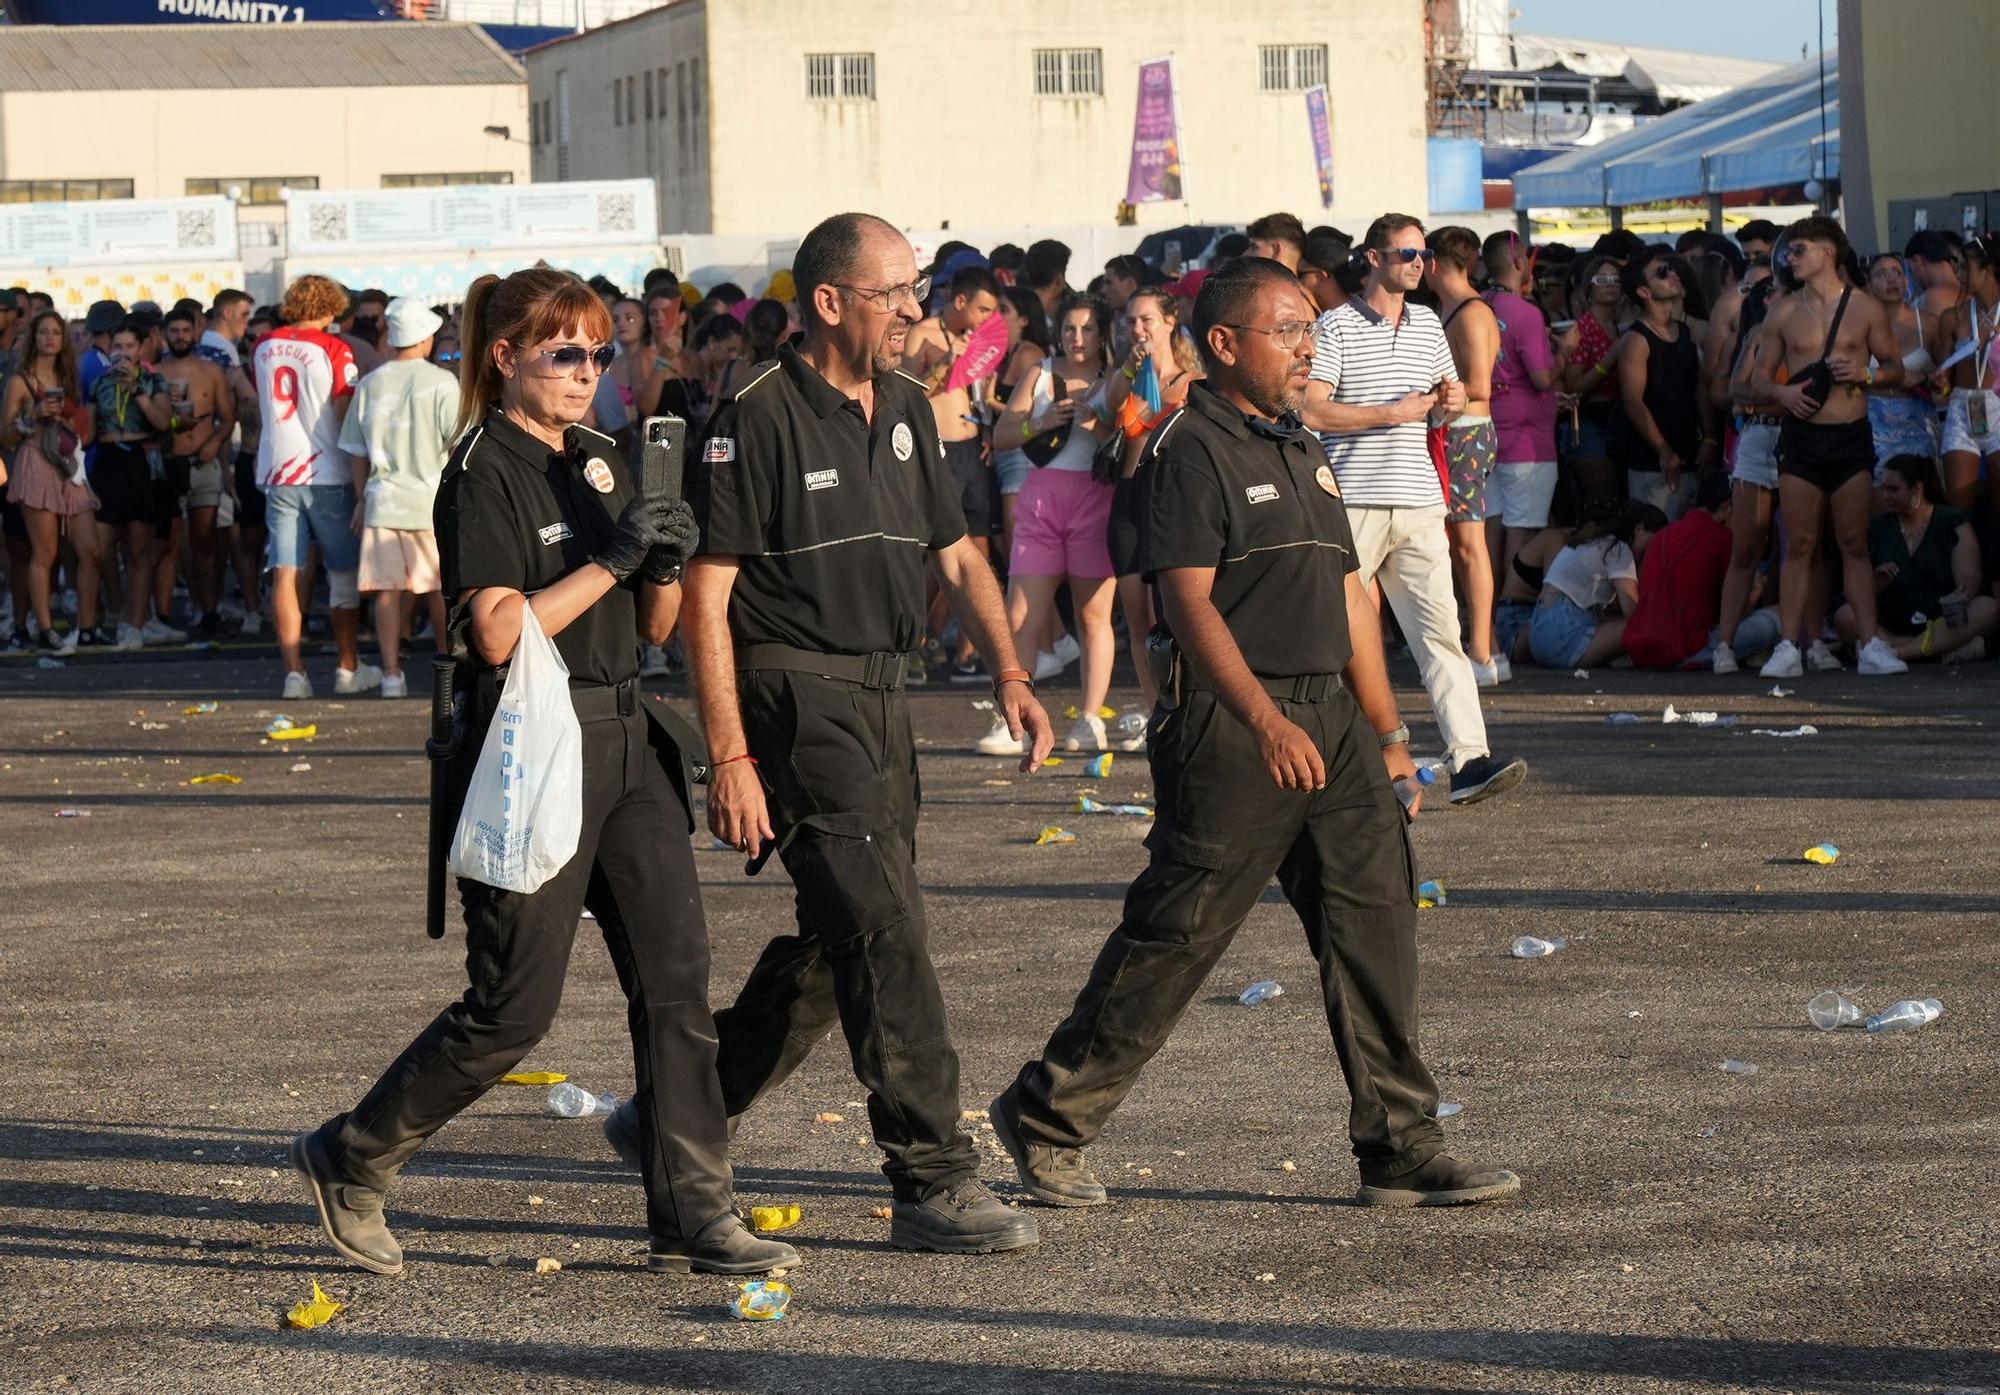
x: 1928, y: 575
x: 1600, y: 566
x: 1680, y: 587
x: 1521, y: 587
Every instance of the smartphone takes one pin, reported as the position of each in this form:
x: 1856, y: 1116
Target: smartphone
x: 662, y: 457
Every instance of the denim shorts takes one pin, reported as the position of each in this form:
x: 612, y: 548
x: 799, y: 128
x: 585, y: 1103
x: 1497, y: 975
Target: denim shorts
x: 1012, y: 468
x: 298, y: 514
x: 1509, y: 619
x: 1560, y: 632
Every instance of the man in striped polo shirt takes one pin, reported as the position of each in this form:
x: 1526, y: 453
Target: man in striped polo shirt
x: 1381, y: 371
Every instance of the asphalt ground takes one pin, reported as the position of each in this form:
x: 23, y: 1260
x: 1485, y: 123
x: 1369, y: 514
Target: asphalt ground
x: 193, y: 974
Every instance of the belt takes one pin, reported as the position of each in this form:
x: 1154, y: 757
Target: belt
x: 1306, y: 687
x: 878, y: 671
x: 599, y: 702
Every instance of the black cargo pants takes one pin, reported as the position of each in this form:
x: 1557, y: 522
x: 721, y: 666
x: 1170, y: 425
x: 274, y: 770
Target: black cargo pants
x: 634, y: 871
x: 840, y: 765
x: 1223, y: 830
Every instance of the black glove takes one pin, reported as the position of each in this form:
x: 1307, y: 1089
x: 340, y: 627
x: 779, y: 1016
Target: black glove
x: 665, y: 559
x: 640, y: 526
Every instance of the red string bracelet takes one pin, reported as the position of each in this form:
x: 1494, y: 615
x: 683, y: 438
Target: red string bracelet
x: 733, y: 759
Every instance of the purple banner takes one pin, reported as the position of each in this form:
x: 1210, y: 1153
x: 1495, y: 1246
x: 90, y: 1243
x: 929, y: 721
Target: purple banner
x: 1156, y: 138
x: 1322, y: 134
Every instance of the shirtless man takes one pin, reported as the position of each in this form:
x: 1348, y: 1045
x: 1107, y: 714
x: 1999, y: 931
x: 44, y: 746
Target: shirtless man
x: 1471, y: 444
x: 1823, y: 335
x: 932, y: 348
x: 204, y: 417
x: 1934, y: 266
x: 1972, y: 421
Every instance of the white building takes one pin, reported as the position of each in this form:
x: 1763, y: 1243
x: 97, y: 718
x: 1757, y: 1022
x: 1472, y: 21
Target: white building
x: 759, y: 117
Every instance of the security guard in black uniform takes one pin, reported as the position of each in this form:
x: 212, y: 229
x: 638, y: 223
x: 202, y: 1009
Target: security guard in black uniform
x: 822, y: 492
x: 533, y: 504
x: 1273, y: 752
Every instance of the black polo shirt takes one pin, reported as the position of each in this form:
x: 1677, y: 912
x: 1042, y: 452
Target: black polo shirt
x: 1257, y: 501
x: 511, y: 512
x: 830, y: 515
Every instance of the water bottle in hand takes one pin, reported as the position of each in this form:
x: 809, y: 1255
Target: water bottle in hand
x: 1409, y: 790
x: 1906, y: 1016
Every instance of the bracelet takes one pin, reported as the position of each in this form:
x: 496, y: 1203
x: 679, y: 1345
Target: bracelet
x: 1398, y: 737
x: 1013, y: 675
x: 1027, y: 429
x: 731, y: 760
x: 1131, y: 374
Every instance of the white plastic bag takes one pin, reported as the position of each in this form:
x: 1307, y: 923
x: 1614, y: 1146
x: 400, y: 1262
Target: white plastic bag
x: 524, y: 808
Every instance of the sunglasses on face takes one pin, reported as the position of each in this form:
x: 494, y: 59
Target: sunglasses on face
x: 1604, y: 281
x: 1661, y: 273
x: 1406, y: 255
x: 1760, y: 259
x: 571, y: 357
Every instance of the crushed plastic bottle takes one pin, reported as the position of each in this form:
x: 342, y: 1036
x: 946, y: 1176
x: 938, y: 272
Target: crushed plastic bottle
x: 200, y: 709
x: 72, y: 813
x: 1431, y: 895
x: 1132, y: 724
x: 1829, y: 1010
x: 567, y: 1101
x: 1535, y: 947
x: 46, y: 662
x: 1907, y: 1015
x: 1261, y: 991
x: 1732, y: 1066
x: 763, y: 1301
x: 1086, y: 805
x: 1622, y: 719
x: 1100, y: 765
x: 1447, y: 1108
x: 1822, y: 854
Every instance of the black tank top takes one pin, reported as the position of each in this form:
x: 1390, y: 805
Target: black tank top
x: 1673, y: 385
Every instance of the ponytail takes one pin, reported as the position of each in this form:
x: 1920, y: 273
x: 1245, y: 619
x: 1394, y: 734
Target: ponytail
x: 478, y: 375
x: 523, y: 309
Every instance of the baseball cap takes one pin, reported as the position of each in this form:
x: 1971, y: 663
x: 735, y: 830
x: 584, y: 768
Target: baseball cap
x: 411, y: 322
x: 103, y: 317
x: 8, y: 301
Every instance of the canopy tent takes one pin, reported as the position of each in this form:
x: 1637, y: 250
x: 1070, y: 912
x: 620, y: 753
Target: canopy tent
x: 1616, y: 173
x: 1670, y: 74
x: 1790, y: 153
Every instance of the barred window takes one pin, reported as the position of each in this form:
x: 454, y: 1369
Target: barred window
x: 840, y: 77
x: 64, y: 190
x: 1069, y: 72
x: 1291, y: 67
x: 259, y: 189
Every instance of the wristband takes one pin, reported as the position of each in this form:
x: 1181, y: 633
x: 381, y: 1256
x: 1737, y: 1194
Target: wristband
x: 1027, y: 429
x: 1131, y: 374
x: 1013, y: 675
x: 1398, y: 737
x: 731, y: 760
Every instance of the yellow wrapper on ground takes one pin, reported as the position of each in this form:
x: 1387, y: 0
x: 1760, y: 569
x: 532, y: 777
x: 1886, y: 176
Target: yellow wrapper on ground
x: 1052, y: 834
x: 305, y: 733
x: 763, y: 1301
x: 217, y: 779
x: 1826, y: 854
x: 534, y: 1077
x: 315, y: 1311
x: 769, y: 1220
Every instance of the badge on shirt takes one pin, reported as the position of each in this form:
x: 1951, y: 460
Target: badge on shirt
x: 599, y: 475
x: 1261, y: 493
x: 720, y: 450
x: 554, y: 533
x: 822, y: 479
x: 902, y: 441
x: 1324, y: 477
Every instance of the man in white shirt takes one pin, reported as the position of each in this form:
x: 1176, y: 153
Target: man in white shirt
x: 1382, y: 370
x: 396, y: 437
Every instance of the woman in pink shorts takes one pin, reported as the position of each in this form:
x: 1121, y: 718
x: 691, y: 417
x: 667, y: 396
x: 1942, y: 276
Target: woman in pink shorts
x: 1060, y: 516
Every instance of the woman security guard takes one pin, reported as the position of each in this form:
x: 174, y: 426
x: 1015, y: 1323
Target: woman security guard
x: 534, y: 505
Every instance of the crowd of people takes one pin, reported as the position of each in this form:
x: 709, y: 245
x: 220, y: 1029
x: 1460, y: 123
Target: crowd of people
x: 1736, y: 450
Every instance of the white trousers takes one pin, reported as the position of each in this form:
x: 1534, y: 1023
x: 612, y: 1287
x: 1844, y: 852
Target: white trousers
x: 1406, y: 551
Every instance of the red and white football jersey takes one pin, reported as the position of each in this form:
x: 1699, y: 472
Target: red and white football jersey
x: 301, y: 375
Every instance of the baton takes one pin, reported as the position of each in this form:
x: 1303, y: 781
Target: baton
x: 441, y: 747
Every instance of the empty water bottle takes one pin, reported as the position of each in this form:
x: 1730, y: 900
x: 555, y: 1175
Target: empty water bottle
x: 1829, y: 1010
x: 1906, y: 1016
x: 1260, y: 992
x: 1535, y: 947
x: 1132, y: 724
x: 567, y: 1101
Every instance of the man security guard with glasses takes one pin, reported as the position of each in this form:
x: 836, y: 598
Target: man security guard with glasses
x: 822, y: 493
x: 1273, y: 751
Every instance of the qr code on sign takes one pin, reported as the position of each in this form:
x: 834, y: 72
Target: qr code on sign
x: 194, y: 227
x: 615, y: 213
x: 329, y: 222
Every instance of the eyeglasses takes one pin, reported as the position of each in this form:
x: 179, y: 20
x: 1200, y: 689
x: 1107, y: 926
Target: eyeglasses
x: 1406, y: 255
x: 571, y: 357
x: 1604, y: 281
x: 1288, y: 335
x: 1760, y: 259
x: 892, y: 297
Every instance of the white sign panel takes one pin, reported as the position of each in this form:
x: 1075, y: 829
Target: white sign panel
x: 117, y: 231
x: 471, y: 217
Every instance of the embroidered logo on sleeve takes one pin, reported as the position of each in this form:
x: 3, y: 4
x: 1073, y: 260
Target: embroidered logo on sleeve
x: 599, y: 475
x: 720, y: 450
x: 554, y: 533
x: 1262, y: 493
x: 822, y: 479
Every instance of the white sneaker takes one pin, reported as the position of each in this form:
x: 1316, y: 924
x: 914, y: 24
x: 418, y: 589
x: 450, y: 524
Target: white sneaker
x: 253, y: 623
x: 1820, y: 659
x: 1067, y: 651
x: 69, y: 640
x: 358, y: 679
x: 1970, y: 652
x: 297, y: 686
x: 1047, y: 666
x: 652, y: 662
x: 1785, y: 662
x: 1086, y: 735
x: 1724, y: 660
x: 158, y: 631
x: 998, y: 741
x: 1486, y: 675
x: 1505, y: 667
x: 1877, y: 659
x: 395, y: 685
x: 128, y: 639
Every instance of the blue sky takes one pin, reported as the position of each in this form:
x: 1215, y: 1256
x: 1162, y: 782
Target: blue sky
x: 1769, y: 29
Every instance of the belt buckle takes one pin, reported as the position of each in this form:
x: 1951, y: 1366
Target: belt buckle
x: 1302, y: 687
x: 628, y: 697
x: 871, y: 675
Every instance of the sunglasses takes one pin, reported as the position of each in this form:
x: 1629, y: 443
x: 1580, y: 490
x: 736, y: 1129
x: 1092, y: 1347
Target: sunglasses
x: 453, y: 357
x: 1406, y: 255
x: 571, y: 357
x: 1661, y: 273
x: 1604, y: 281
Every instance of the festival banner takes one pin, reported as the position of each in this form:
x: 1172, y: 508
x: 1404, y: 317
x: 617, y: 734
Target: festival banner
x: 1322, y: 137
x: 1155, y: 175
